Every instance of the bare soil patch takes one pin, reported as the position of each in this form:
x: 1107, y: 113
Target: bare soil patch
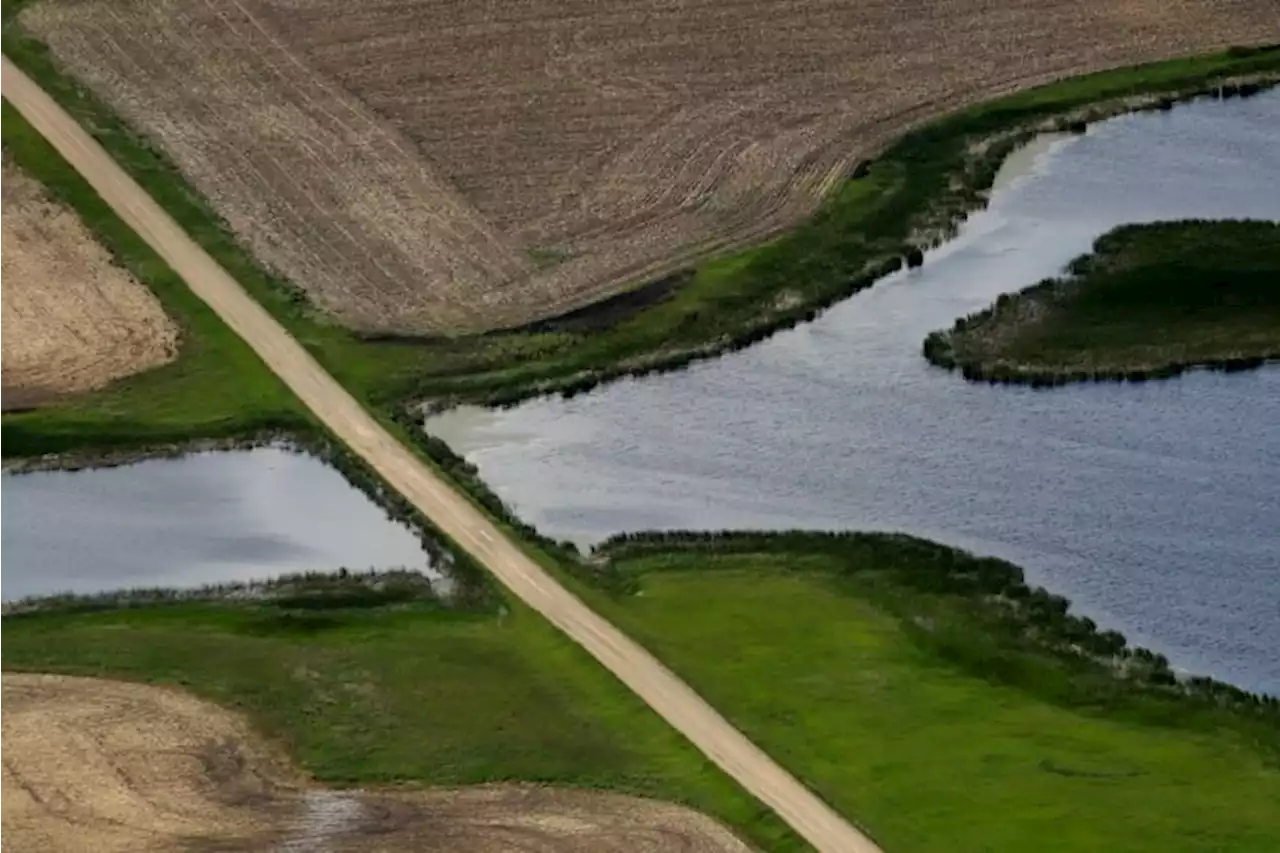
x: 112, y: 766
x: 431, y: 165
x: 73, y: 319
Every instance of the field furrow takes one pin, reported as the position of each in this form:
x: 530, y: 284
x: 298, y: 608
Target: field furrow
x: 445, y: 166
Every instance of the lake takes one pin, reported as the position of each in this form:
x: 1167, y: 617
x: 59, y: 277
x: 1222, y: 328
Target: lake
x: 200, y: 519
x: 1155, y: 507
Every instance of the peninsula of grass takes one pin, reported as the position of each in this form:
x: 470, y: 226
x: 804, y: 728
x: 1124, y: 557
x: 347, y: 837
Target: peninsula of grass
x: 1150, y: 301
x: 943, y: 705
x: 217, y: 387
x: 877, y: 220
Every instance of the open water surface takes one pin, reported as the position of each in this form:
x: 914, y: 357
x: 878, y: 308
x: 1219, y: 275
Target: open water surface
x: 1155, y: 507
x: 201, y: 519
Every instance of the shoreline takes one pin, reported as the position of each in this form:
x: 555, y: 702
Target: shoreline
x: 970, y: 185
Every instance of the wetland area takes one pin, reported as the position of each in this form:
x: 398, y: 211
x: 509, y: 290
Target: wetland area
x: 927, y: 694
x: 1151, y: 506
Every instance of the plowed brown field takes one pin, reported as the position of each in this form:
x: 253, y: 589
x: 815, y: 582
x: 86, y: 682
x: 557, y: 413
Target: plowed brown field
x: 438, y: 165
x: 73, y: 320
x: 108, y: 766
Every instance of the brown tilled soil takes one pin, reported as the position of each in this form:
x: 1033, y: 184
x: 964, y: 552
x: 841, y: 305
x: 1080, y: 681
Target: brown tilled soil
x: 73, y: 320
x: 108, y: 766
x: 440, y: 165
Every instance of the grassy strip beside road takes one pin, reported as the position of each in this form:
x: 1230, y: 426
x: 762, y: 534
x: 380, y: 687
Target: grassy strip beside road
x: 909, y: 197
x: 1150, y: 302
x: 216, y: 388
x: 939, y: 718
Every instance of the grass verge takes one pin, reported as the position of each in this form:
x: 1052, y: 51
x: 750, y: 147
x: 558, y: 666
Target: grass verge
x: 216, y: 388
x: 934, y: 698
x: 406, y: 692
x: 1149, y: 302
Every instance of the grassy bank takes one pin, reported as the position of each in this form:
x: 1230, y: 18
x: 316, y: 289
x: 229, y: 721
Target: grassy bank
x: 945, y: 706
x: 1150, y: 301
x: 216, y: 388
x: 874, y: 222
x: 401, y: 692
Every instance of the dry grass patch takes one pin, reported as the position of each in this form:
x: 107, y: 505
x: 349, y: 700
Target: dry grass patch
x: 112, y: 766
x: 73, y: 319
x: 426, y: 166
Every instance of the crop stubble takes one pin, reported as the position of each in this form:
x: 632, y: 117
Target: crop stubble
x: 414, y: 164
x: 73, y: 319
x: 112, y: 766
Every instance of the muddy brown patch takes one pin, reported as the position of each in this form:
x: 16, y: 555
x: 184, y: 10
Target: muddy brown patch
x: 111, y: 766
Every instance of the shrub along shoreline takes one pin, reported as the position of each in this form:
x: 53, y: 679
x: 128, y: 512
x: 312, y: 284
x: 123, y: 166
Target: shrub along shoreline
x: 1149, y: 302
x: 1022, y: 617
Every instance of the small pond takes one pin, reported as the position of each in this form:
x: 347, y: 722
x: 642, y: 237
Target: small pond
x: 1154, y: 507
x: 205, y: 518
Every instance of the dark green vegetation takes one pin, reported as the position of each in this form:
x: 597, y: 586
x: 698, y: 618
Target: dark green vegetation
x: 1150, y: 302
x: 944, y: 705
x: 909, y: 197
x: 930, y: 695
x: 216, y: 388
x: 404, y: 690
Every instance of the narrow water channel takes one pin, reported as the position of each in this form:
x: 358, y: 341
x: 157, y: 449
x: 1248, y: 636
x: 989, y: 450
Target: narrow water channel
x: 1154, y: 507
x: 202, y: 519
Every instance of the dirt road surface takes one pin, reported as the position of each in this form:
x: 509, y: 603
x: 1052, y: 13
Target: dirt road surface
x: 808, y: 815
x: 113, y: 767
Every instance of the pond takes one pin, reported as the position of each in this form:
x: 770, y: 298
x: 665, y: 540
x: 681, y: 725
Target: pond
x: 1154, y: 507
x: 205, y: 518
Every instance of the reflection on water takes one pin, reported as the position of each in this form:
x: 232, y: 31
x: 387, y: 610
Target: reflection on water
x: 204, y: 518
x: 1155, y: 507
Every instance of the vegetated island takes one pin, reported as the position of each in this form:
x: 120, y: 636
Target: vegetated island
x: 1149, y: 302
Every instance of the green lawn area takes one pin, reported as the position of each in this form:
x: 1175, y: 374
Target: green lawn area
x: 406, y: 694
x: 217, y: 387
x: 837, y: 685
x: 1149, y: 301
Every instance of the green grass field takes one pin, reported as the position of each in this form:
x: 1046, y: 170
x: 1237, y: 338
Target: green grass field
x: 882, y: 671
x: 1149, y: 301
x: 216, y: 388
x: 848, y: 680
